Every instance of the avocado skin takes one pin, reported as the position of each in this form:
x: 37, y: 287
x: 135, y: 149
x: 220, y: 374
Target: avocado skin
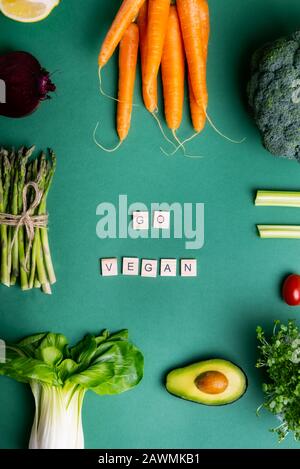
x: 191, y: 372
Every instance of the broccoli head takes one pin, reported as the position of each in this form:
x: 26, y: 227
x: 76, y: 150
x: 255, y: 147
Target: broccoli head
x: 274, y: 95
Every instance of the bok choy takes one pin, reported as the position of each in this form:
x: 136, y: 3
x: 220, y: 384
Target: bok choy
x: 59, y: 376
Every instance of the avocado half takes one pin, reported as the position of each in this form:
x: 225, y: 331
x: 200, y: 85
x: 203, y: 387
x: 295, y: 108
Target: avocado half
x: 211, y: 382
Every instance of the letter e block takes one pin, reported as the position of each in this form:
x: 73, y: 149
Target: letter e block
x: 130, y: 266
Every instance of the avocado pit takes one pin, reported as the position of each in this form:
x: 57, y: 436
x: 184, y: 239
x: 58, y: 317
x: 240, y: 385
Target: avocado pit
x: 211, y: 382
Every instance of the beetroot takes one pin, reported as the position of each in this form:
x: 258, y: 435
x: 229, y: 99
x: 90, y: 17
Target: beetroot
x: 26, y: 84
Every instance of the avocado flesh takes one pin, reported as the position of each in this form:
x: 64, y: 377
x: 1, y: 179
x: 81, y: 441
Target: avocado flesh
x: 181, y: 382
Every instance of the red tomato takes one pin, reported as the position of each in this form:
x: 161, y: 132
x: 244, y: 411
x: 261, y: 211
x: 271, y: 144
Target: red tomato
x: 291, y: 290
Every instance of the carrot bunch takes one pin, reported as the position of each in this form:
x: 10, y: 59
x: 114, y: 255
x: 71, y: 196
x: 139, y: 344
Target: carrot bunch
x: 168, y: 36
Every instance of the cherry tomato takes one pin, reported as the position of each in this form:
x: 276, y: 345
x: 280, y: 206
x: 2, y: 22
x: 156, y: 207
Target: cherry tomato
x: 291, y: 290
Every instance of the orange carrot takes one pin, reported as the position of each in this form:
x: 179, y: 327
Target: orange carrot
x: 126, y: 14
x: 149, y: 101
x: 190, y: 20
x: 128, y: 54
x: 173, y: 71
x: 158, y: 14
x: 198, y: 9
x: 127, y: 72
x: 197, y: 112
x: 205, y: 26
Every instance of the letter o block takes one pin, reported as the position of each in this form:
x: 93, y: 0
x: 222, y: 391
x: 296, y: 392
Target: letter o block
x: 161, y: 220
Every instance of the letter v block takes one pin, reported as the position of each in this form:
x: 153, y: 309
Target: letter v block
x: 109, y: 267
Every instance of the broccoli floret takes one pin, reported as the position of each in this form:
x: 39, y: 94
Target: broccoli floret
x: 274, y: 95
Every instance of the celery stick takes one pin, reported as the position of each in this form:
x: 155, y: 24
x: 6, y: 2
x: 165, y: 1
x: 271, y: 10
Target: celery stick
x: 277, y: 199
x: 279, y: 231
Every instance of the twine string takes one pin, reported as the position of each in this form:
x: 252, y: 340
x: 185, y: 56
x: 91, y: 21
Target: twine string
x: 26, y: 219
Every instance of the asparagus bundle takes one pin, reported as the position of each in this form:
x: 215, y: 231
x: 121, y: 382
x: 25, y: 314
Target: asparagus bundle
x: 24, y: 247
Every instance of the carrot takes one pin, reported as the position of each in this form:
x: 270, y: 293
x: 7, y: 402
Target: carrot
x: 149, y: 101
x: 126, y: 14
x: 190, y: 20
x: 195, y: 25
x: 173, y: 65
x: 128, y: 54
x: 198, y: 119
x: 127, y: 72
x: 197, y: 113
x: 158, y: 14
x: 205, y: 26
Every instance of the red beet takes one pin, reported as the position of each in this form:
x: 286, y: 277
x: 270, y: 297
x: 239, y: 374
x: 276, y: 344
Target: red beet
x: 26, y: 84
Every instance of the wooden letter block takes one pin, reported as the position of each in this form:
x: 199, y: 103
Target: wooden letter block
x: 140, y: 220
x: 130, y: 266
x: 168, y: 267
x: 109, y: 267
x: 188, y: 268
x: 149, y: 268
x: 161, y: 220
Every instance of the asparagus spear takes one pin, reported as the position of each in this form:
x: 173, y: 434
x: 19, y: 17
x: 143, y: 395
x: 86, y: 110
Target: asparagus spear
x: 44, y: 231
x: 21, y: 246
x: 42, y: 274
x: 14, y: 210
x: 5, y: 277
x: 9, y: 208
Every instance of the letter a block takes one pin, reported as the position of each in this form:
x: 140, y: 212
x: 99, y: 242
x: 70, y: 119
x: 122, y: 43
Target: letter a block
x: 168, y: 267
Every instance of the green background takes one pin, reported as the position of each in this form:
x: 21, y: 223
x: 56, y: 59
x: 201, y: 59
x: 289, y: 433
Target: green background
x: 174, y: 321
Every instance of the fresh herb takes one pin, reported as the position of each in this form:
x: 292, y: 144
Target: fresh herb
x: 60, y: 375
x: 280, y: 356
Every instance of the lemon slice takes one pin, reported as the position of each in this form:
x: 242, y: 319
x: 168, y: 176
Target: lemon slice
x: 27, y: 11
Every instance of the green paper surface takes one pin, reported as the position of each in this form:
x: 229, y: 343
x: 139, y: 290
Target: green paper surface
x: 175, y: 321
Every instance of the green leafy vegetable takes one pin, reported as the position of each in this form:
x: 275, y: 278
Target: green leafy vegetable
x: 280, y: 356
x: 60, y: 375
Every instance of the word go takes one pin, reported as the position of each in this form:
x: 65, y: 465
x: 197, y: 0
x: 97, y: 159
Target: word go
x: 161, y: 220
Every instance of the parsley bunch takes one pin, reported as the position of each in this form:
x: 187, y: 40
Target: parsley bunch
x: 281, y: 358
